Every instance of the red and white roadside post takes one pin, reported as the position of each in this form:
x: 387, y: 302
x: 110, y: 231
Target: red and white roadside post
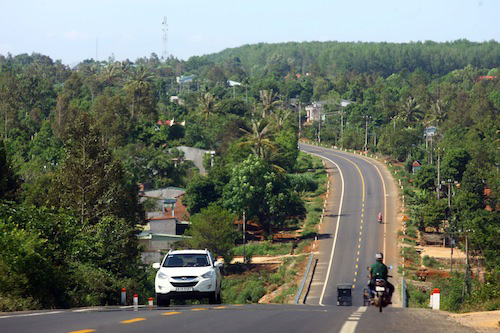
x: 124, y: 296
x: 435, y: 299
x: 150, y: 301
x: 136, y: 302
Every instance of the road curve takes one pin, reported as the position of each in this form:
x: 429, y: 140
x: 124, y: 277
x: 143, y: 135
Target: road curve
x: 350, y: 234
x: 356, y: 197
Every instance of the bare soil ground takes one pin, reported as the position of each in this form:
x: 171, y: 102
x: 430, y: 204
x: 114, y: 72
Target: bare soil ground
x: 486, y: 321
x: 441, y: 252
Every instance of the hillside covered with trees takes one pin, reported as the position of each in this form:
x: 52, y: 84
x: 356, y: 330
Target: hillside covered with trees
x: 78, y: 141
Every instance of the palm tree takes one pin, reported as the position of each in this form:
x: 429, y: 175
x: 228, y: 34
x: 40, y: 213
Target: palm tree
x: 269, y: 101
x: 410, y: 111
x: 258, y: 138
x: 208, y: 103
x: 111, y: 74
x: 279, y: 117
x: 139, y: 81
x: 438, y: 113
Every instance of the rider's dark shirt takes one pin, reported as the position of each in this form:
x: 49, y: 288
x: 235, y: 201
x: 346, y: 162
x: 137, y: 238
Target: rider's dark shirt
x: 379, y: 270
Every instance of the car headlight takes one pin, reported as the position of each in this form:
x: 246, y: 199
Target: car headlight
x: 162, y: 275
x: 207, y: 275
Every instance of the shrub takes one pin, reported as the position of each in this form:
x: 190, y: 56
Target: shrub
x: 303, y: 182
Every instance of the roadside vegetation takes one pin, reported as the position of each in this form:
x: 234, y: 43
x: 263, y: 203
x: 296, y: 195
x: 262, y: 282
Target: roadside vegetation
x: 76, y: 142
x: 472, y: 287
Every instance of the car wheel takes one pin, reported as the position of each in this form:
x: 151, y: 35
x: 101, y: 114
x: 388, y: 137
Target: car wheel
x: 212, y: 299
x: 219, y: 297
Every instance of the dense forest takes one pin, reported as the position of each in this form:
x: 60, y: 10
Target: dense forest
x: 76, y: 142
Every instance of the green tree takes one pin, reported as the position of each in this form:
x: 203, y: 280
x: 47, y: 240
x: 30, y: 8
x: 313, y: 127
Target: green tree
x: 269, y: 101
x: 91, y: 181
x: 258, y: 138
x: 425, y: 178
x: 213, y: 228
x: 454, y: 163
x: 201, y: 191
x: 263, y: 194
x: 138, y: 88
x: 8, y: 181
x: 410, y: 111
x: 207, y: 105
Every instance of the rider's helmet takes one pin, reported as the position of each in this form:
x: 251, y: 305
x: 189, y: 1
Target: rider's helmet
x: 379, y: 256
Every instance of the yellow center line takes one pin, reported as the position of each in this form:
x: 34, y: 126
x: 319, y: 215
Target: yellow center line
x: 357, y: 265
x: 353, y: 286
x: 83, y: 331
x: 360, y: 227
x: 359, y: 246
x: 134, y: 320
x: 357, y: 259
x: 171, y: 313
x: 359, y: 240
x: 362, y: 215
x: 360, y: 233
x: 358, y: 253
x: 198, y: 309
x: 354, y: 279
x: 220, y: 307
x: 237, y: 304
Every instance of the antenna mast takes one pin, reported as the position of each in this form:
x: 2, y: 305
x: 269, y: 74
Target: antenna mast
x: 164, y: 54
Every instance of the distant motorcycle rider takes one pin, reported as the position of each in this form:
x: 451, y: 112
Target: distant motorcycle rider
x: 379, y: 271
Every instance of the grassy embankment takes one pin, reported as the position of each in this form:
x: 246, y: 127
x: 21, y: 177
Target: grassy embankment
x: 249, y: 283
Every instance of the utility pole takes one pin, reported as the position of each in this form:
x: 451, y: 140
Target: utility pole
x: 466, y: 288
x: 300, y: 124
x: 366, y: 132
x: 342, y: 128
x: 244, y: 236
x: 439, y: 173
x: 319, y: 125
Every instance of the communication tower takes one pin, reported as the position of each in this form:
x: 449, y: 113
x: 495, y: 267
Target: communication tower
x: 164, y: 54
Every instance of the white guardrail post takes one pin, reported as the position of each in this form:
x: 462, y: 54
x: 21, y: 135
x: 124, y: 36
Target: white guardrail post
x: 136, y: 302
x: 124, y: 296
x: 435, y: 299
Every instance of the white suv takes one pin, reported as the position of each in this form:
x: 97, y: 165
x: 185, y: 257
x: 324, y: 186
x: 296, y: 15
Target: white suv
x: 188, y: 274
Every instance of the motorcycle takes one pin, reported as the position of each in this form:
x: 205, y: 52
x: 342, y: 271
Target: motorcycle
x: 381, y: 296
x: 379, y: 219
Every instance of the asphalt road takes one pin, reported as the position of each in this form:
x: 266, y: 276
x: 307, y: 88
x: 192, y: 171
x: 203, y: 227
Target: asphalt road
x: 350, y: 236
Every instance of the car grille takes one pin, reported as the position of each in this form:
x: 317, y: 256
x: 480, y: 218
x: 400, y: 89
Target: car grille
x: 183, y: 278
x: 184, y: 284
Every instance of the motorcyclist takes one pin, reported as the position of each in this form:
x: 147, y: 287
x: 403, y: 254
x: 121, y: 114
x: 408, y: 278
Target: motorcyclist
x: 379, y: 271
x: 380, y: 217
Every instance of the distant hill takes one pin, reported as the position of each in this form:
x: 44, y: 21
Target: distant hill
x: 363, y: 57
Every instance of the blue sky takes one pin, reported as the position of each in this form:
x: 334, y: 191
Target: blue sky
x: 73, y: 30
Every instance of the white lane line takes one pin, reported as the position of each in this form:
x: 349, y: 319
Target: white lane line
x: 349, y: 327
x: 336, y: 229
x: 31, y: 314
x: 352, y: 321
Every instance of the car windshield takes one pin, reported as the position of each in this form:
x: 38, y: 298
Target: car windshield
x: 186, y: 260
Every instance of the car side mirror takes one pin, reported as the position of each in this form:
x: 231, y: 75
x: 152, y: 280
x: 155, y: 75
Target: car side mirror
x: 218, y: 264
x: 156, y: 265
